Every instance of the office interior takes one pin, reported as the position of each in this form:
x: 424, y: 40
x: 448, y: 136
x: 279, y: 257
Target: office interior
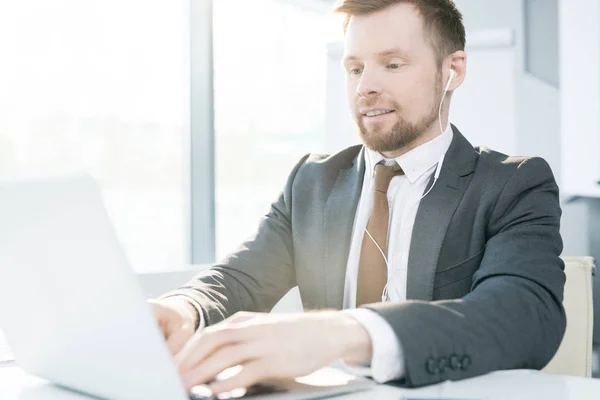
x: 191, y: 114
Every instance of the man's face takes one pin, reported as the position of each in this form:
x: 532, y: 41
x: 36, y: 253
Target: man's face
x: 391, y: 68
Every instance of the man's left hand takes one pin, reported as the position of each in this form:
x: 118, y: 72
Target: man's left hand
x: 271, y: 346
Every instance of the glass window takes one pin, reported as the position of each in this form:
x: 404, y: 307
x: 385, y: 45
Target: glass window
x: 270, y: 88
x: 104, y: 83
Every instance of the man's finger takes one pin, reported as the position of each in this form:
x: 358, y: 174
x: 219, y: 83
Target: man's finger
x: 222, y: 359
x: 251, y: 373
x: 177, y: 339
x: 203, y: 344
x: 242, y: 316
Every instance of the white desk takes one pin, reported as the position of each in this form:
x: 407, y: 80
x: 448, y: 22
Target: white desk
x: 505, y: 385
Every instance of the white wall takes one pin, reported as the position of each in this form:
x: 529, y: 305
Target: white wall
x: 483, y: 108
x: 490, y: 14
x: 580, y: 96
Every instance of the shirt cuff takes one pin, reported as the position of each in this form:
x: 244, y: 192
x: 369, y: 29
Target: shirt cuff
x: 387, y: 363
x: 201, y: 322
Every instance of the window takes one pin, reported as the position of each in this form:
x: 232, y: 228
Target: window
x: 104, y: 83
x: 270, y: 88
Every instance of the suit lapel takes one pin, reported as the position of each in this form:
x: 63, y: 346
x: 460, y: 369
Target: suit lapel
x: 340, y: 211
x: 434, y: 215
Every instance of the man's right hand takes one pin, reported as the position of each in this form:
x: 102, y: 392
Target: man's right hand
x: 177, y: 319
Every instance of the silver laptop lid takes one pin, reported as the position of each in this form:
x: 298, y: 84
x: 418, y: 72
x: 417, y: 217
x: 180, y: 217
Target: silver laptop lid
x: 70, y: 305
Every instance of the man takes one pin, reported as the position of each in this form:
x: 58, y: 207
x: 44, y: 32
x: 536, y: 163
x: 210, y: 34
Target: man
x: 450, y: 253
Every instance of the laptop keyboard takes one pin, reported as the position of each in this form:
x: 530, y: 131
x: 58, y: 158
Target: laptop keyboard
x: 254, y: 390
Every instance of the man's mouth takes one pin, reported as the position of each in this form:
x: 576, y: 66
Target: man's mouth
x: 376, y: 113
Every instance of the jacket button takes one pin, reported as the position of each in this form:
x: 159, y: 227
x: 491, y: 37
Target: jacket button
x: 465, y: 363
x: 443, y: 364
x: 454, y: 362
x: 431, y: 366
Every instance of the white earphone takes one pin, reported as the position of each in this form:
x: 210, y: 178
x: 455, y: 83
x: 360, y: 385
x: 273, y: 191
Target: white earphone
x: 438, y: 169
x: 452, y: 75
x: 436, y: 175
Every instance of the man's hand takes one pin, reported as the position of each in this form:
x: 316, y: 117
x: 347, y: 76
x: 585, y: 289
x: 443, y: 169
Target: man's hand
x: 177, y: 319
x: 271, y: 346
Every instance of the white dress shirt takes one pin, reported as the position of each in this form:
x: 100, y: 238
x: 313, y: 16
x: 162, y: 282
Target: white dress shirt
x: 404, y: 196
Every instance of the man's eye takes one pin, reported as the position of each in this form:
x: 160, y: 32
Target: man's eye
x: 393, y: 66
x: 355, y: 71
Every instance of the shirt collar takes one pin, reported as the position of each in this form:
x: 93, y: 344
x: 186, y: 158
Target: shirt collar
x: 419, y: 160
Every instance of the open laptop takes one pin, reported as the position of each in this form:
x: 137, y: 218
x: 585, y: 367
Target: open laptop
x: 73, y: 312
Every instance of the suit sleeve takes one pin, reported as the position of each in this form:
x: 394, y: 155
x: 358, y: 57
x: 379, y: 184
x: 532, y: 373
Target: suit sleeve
x: 513, y: 316
x: 256, y: 275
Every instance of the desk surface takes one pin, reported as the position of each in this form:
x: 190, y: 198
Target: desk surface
x: 504, y: 385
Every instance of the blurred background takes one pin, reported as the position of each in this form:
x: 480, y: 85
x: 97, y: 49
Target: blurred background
x: 191, y: 113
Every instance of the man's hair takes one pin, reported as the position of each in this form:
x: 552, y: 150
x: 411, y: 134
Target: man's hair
x: 442, y: 22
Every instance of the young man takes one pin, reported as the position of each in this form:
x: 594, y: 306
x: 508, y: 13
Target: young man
x: 443, y: 257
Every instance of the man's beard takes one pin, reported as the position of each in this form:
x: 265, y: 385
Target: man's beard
x: 402, y: 134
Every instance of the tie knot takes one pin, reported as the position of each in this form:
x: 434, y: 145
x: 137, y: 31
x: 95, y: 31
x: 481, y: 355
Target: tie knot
x: 384, y: 175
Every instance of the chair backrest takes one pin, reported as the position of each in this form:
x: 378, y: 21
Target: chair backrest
x: 574, y: 356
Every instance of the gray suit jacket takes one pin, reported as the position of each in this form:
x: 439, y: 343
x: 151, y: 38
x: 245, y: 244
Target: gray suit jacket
x: 485, y: 281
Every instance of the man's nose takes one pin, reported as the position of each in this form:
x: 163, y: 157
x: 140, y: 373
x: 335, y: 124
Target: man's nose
x: 369, y: 85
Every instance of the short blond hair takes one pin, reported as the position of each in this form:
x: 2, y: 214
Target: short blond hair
x: 442, y: 22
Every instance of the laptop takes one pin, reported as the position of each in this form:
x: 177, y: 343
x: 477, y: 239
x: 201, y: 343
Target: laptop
x: 73, y: 313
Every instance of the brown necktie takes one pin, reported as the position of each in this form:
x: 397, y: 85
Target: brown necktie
x: 372, y: 270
